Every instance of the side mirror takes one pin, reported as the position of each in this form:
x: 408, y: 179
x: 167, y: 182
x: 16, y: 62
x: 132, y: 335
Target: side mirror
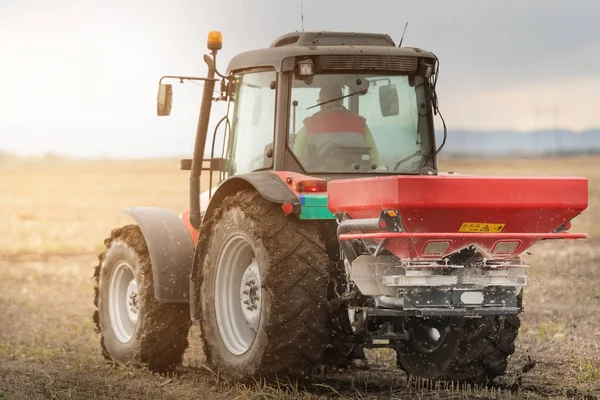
x: 164, y: 99
x: 388, y: 100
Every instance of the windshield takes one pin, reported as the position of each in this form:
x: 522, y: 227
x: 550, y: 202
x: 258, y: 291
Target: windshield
x: 357, y: 123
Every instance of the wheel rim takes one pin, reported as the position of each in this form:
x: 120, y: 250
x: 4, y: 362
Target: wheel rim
x: 123, y: 302
x: 237, y: 295
x: 428, y: 335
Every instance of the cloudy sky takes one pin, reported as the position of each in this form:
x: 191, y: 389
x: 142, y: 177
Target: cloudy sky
x: 80, y: 76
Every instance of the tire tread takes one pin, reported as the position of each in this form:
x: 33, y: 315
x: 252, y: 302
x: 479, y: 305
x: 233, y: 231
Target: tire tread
x: 164, y: 339
x: 298, y: 279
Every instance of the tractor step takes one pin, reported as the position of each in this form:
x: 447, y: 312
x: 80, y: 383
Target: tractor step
x: 386, y: 339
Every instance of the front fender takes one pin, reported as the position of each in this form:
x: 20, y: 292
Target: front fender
x: 171, y: 251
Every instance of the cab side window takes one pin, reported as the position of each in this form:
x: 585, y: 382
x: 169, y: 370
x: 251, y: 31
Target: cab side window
x: 252, y: 121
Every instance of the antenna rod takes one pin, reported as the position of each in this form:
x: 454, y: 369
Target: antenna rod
x: 302, y: 15
x: 402, y: 38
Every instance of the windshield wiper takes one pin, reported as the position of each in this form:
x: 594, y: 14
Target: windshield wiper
x: 362, y: 91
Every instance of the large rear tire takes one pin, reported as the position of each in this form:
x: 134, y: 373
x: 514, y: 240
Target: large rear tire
x: 458, y: 349
x: 135, y: 328
x: 263, y: 291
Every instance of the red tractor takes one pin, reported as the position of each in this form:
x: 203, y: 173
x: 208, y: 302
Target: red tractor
x: 329, y: 228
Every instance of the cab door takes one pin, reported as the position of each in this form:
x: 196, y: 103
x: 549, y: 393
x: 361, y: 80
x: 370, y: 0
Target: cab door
x: 250, y: 130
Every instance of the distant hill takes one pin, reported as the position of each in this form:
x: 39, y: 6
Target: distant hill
x: 510, y: 143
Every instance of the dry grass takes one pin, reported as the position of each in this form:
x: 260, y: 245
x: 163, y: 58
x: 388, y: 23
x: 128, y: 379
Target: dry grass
x: 55, y: 215
x: 67, y: 207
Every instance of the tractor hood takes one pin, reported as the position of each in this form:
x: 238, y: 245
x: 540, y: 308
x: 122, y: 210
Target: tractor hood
x: 463, y: 210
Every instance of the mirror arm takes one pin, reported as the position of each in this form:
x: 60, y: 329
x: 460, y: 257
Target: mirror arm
x: 187, y: 78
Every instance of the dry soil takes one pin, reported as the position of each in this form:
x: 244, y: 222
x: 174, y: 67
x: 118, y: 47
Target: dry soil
x: 55, y: 214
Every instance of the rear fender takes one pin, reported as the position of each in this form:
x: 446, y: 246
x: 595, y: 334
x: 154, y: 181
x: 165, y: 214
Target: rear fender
x: 270, y: 186
x: 171, y: 251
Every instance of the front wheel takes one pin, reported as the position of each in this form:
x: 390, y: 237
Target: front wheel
x: 263, y: 291
x: 458, y: 349
x: 135, y: 328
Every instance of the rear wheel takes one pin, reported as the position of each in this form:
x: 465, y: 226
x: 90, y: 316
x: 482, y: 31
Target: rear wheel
x: 458, y: 349
x: 135, y: 328
x: 263, y: 291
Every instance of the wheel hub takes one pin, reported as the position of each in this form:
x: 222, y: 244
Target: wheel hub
x: 237, y: 294
x: 123, y: 302
x: 133, y: 306
x: 250, y: 295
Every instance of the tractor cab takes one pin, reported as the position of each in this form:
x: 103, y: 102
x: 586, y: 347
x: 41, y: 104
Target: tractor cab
x: 330, y: 105
x: 324, y: 104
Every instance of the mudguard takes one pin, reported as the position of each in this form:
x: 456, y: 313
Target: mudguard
x: 171, y: 251
x: 269, y: 184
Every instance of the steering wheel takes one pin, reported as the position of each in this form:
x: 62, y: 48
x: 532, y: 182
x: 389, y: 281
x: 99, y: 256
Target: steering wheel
x: 405, y: 159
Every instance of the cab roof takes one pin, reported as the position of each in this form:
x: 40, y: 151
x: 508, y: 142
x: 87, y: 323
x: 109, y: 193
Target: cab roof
x: 317, y: 43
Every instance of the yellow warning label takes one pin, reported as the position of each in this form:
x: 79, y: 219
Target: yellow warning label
x: 481, y: 227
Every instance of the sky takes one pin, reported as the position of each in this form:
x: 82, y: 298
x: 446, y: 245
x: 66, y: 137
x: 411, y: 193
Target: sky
x: 80, y: 77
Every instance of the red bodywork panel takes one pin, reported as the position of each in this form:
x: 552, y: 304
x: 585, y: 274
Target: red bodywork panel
x: 290, y: 178
x: 433, y: 208
x: 185, y: 217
